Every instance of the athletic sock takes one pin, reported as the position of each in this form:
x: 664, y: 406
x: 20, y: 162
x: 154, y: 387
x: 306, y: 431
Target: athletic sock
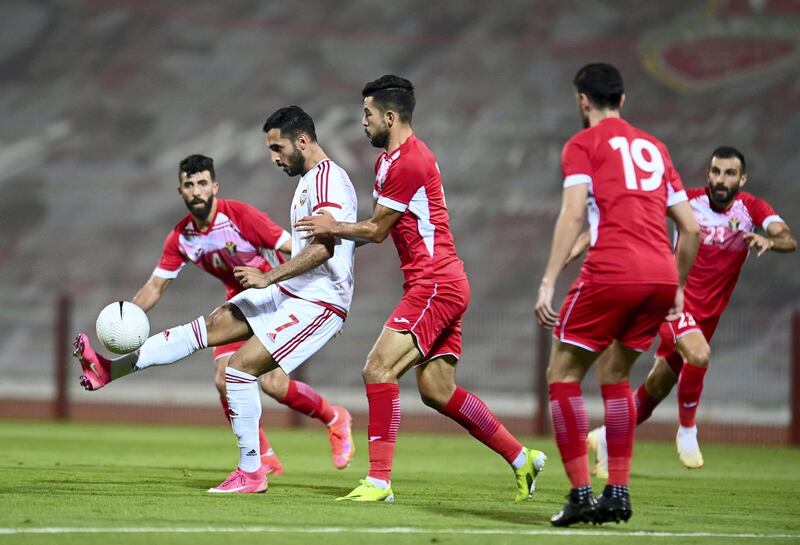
x: 571, y: 424
x: 470, y: 412
x: 263, y: 442
x: 645, y: 404
x: 620, y: 423
x: 690, y: 387
x: 304, y: 399
x: 244, y: 404
x: 384, y: 421
x: 163, y: 348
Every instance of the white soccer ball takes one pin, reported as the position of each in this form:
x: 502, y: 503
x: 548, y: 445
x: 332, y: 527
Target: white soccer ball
x: 122, y: 327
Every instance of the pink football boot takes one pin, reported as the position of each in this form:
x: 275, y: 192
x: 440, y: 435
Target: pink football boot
x: 340, y: 437
x: 243, y: 482
x: 96, y: 368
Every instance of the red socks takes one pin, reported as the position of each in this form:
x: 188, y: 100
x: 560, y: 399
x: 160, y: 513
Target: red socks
x: 303, y: 398
x: 620, y: 426
x: 471, y: 413
x: 645, y: 404
x: 571, y: 424
x: 384, y: 420
x: 263, y: 442
x: 690, y: 386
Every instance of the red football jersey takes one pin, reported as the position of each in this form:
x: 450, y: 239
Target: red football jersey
x: 239, y: 234
x: 408, y: 181
x: 631, y: 183
x: 722, y: 250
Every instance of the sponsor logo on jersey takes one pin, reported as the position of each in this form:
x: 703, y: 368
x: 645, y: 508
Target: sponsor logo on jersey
x: 230, y: 246
x: 166, y: 335
x: 402, y: 320
x: 272, y: 336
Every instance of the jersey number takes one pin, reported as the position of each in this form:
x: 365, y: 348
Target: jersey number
x: 633, y: 154
x: 717, y: 233
x: 686, y: 320
x: 217, y: 262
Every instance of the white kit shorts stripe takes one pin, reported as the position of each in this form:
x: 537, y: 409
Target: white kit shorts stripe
x: 291, y: 329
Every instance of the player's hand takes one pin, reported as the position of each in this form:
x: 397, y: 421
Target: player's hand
x: 250, y: 277
x: 677, y: 307
x: 321, y: 224
x: 754, y: 240
x: 545, y: 315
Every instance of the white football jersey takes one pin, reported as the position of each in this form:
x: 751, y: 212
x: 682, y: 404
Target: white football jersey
x: 325, y: 187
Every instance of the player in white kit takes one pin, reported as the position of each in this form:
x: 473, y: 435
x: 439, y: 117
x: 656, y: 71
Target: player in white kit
x: 289, y: 313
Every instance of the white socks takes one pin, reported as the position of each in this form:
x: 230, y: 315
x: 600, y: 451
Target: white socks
x: 520, y: 460
x: 244, y: 403
x: 164, y: 348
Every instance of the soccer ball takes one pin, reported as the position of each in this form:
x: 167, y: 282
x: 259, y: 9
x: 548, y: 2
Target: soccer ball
x: 122, y: 327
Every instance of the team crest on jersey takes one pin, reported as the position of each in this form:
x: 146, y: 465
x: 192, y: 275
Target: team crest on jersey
x: 230, y: 246
x: 303, y: 197
x: 734, y: 223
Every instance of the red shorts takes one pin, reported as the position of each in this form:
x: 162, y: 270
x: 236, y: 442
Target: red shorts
x: 432, y: 313
x: 593, y: 315
x: 670, y: 332
x: 227, y: 350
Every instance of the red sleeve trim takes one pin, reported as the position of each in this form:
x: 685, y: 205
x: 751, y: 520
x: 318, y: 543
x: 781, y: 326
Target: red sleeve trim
x: 326, y: 204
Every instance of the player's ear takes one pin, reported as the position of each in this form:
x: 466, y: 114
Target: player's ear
x: 214, y: 187
x: 742, y: 180
x: 621, y: 100
x: 391, y: 117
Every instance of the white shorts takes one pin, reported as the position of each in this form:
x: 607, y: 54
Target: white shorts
x: 291, y: 329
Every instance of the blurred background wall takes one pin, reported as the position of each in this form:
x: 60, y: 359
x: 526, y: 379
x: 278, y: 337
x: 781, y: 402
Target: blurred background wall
x: 100, y: 100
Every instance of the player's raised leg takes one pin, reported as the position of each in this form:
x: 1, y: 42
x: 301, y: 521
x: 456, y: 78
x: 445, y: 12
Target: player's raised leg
x: 225, y: 324
x: 568, y: 365
x: 302, y: 398
x: 244, y: 402
x: 696, y: 353
x: 438, y: 389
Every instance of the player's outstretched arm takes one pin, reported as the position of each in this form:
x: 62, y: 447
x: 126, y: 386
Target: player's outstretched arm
x: 374, y: 229
x: 779, y: 239
x: 568, y: 227
x: 150, y: 294
x: 688, y: 243
x: 316, y: 253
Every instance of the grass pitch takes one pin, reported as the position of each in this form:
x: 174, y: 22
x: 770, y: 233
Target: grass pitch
x: 86, y: 484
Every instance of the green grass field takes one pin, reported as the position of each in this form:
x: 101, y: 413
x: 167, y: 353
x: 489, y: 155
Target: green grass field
x: 79, y: 483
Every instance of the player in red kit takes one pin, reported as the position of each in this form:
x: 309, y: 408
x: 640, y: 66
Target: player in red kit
x: 728, y: 218
x: 424, y: 330
x: 217, y: 236
x: 628, y: 283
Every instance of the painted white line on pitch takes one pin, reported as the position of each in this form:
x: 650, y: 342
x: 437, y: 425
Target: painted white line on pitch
x: 398, y: 530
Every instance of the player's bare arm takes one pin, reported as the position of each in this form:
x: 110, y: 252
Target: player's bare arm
x: 580, y: 246
x: 374, y: 229
x: 568, y: 227
x: 779, y: 239
x: 688, y: 243
x: 150, y: 294
x: 316, y: 253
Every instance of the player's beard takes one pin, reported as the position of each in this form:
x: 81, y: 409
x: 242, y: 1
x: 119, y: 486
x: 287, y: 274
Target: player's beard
x: 725, y: 200
x: 379, y: 138
x: 294, y: 163
x: 200, y: 213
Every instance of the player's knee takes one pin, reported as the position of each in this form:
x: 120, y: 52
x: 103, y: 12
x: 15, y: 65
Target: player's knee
x: 699, y: 357
x: 274, y: 384
x: 377, y: 369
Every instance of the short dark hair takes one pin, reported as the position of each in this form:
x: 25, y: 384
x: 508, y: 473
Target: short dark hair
x: 729, y: 152
x: 602, y: 84
x: 392, y: 93
x: 291, y: 121
x: 197, y: 163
